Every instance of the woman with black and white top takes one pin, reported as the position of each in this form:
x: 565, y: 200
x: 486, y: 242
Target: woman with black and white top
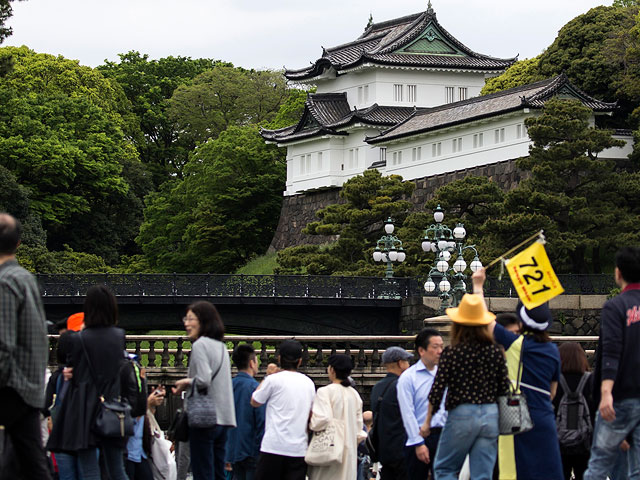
x: 209, y: 367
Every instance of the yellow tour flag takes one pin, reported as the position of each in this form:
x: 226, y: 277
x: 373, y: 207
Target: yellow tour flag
x: 532, y: 275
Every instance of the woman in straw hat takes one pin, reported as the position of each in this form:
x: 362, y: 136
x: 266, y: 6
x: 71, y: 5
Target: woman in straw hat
x: 474, y: 372
x: 520, y: 455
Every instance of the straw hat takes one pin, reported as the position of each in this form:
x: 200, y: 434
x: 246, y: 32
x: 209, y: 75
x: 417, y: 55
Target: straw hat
x: 471, y: 312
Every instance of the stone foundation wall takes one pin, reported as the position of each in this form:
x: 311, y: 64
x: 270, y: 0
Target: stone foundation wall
x: 298, y: 210
x: 572, y: 314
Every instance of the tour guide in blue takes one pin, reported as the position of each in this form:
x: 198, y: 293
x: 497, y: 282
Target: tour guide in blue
x: 243, y: 442
x: 618, y: 367
x: 414, y: 386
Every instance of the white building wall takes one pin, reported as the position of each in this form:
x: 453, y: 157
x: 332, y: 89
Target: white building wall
x: 368, y: 86
x: 329, y: 161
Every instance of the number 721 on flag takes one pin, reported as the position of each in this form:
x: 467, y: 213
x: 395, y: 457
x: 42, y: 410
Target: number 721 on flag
x: 533, y: 277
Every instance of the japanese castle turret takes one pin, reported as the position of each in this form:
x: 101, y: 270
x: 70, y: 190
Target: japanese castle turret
x: 404, y: 98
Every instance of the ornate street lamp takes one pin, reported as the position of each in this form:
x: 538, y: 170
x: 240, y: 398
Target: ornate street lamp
x: 389, y: 249
x: 448, y: 244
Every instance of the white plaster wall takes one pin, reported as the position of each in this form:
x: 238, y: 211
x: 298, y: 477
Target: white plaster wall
x: 337, y: 166
x: 619, y: 153
x: 430, y: 86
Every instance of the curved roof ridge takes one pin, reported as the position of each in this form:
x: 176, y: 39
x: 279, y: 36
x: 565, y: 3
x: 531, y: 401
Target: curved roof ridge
x: 410, y: 32
x: 374, y: 27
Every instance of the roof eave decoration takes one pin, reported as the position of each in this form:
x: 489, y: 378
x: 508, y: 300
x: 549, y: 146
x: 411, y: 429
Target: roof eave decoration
x: 416, y: 40
x: 561, y: 86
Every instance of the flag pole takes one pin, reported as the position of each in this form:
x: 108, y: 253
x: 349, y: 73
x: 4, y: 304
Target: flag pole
x: 540, y: 234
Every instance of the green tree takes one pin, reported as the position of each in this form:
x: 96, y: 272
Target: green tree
x: 149, y: 84
x: 520, y: 73
x: 62, y: 137
x: 223, y: 213
x: 369, y: 199
x: 572, y: 193
x: 226, y: 96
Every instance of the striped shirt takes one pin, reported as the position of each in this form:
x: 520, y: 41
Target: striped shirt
x: 23, y: 334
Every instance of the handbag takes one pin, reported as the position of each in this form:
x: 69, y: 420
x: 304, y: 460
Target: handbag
x: 326, y: 446
x: 113, y: 419
x: 201, y: 412
x: 514, y: 416
x: 179, y: 428
x: 163, y: 462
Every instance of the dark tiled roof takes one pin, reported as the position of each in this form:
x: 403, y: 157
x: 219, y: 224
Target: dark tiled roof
x: 325, y: 113
x: 383, y: 44
x: 533, y: 95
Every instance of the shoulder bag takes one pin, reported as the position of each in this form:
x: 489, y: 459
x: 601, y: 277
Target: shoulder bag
x: 201, y: 412
x: 114, y: 415
x: 327, y: 446
x: 514, y: 416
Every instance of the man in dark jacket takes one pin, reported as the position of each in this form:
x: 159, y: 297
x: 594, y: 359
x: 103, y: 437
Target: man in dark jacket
x: 23, y: 355
x: 617, y: 367
x: 390, y: 434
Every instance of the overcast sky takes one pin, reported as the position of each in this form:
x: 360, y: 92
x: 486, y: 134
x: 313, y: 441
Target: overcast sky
x: 272, y: 34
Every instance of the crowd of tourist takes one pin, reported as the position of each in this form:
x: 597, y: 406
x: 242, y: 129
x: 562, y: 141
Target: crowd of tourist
x: 440, y: 417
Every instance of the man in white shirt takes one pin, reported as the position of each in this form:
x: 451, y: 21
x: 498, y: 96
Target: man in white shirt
x: 288, y: 395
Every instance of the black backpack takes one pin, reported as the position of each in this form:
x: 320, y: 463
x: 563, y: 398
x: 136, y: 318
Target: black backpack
x: 572, y: 418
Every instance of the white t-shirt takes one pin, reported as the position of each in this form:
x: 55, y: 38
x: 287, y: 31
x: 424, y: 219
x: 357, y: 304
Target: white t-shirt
x: 289, y: 397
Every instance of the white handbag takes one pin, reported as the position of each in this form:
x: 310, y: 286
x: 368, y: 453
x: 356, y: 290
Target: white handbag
x: 326, y: 446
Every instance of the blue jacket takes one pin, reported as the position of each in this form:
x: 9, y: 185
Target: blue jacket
x: 244, y: 440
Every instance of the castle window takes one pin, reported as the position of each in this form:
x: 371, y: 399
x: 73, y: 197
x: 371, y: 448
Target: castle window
x: 457, y: 144
x: 436, y: 149
x: 360, y: 89
x: 412, y: 93
x: 448, y: 95
x: 462, y: 93
x: 319, y: 161
x: 353, y: 158
x: 397, y: 158
x: 383, y: 154
x: 397, y: 93
x: 366, y: 93
x: 308, y: 161
x: 416, y: 153
x: 499, y: 135
x: 478, y: 140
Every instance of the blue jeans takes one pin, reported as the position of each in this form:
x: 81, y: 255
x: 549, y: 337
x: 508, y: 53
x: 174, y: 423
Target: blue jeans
x: 89, y: 465
x: 67, y: 466
x: 470, y: 429
x: 207, y: 452
x: 607, y: 437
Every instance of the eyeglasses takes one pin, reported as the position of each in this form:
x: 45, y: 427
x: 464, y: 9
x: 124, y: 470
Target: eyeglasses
x: 189, y: 319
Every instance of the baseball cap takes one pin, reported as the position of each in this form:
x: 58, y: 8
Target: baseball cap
x: 395, y: 354
x: 290, y: 349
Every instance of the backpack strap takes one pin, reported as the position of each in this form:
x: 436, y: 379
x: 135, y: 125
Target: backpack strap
x: 583, y: 382
x: 563, y: 383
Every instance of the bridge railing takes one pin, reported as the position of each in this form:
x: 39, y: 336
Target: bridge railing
x: 208, y: 285
x: 284, y: 286
x: 162, y: 352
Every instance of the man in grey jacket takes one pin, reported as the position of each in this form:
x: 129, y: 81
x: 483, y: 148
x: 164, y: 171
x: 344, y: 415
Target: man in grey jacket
x: 23, y: 355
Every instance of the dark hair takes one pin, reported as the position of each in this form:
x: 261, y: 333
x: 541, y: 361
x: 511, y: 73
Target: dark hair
x: 210, y: 322
x: 242, y: 354
x: 100, y: 307
x: 507, y: 319
x: 61, y: 324
x: 424, y: 337
x: 466, y: 334
x: 573, y: 359
x: 64, y: 347
x: 628, y: 262
x: 540, y: 336
x: 10, y: 233
x: 288, y: 364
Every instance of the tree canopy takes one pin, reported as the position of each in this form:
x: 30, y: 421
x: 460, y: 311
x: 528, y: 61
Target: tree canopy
x: 223, y: 213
